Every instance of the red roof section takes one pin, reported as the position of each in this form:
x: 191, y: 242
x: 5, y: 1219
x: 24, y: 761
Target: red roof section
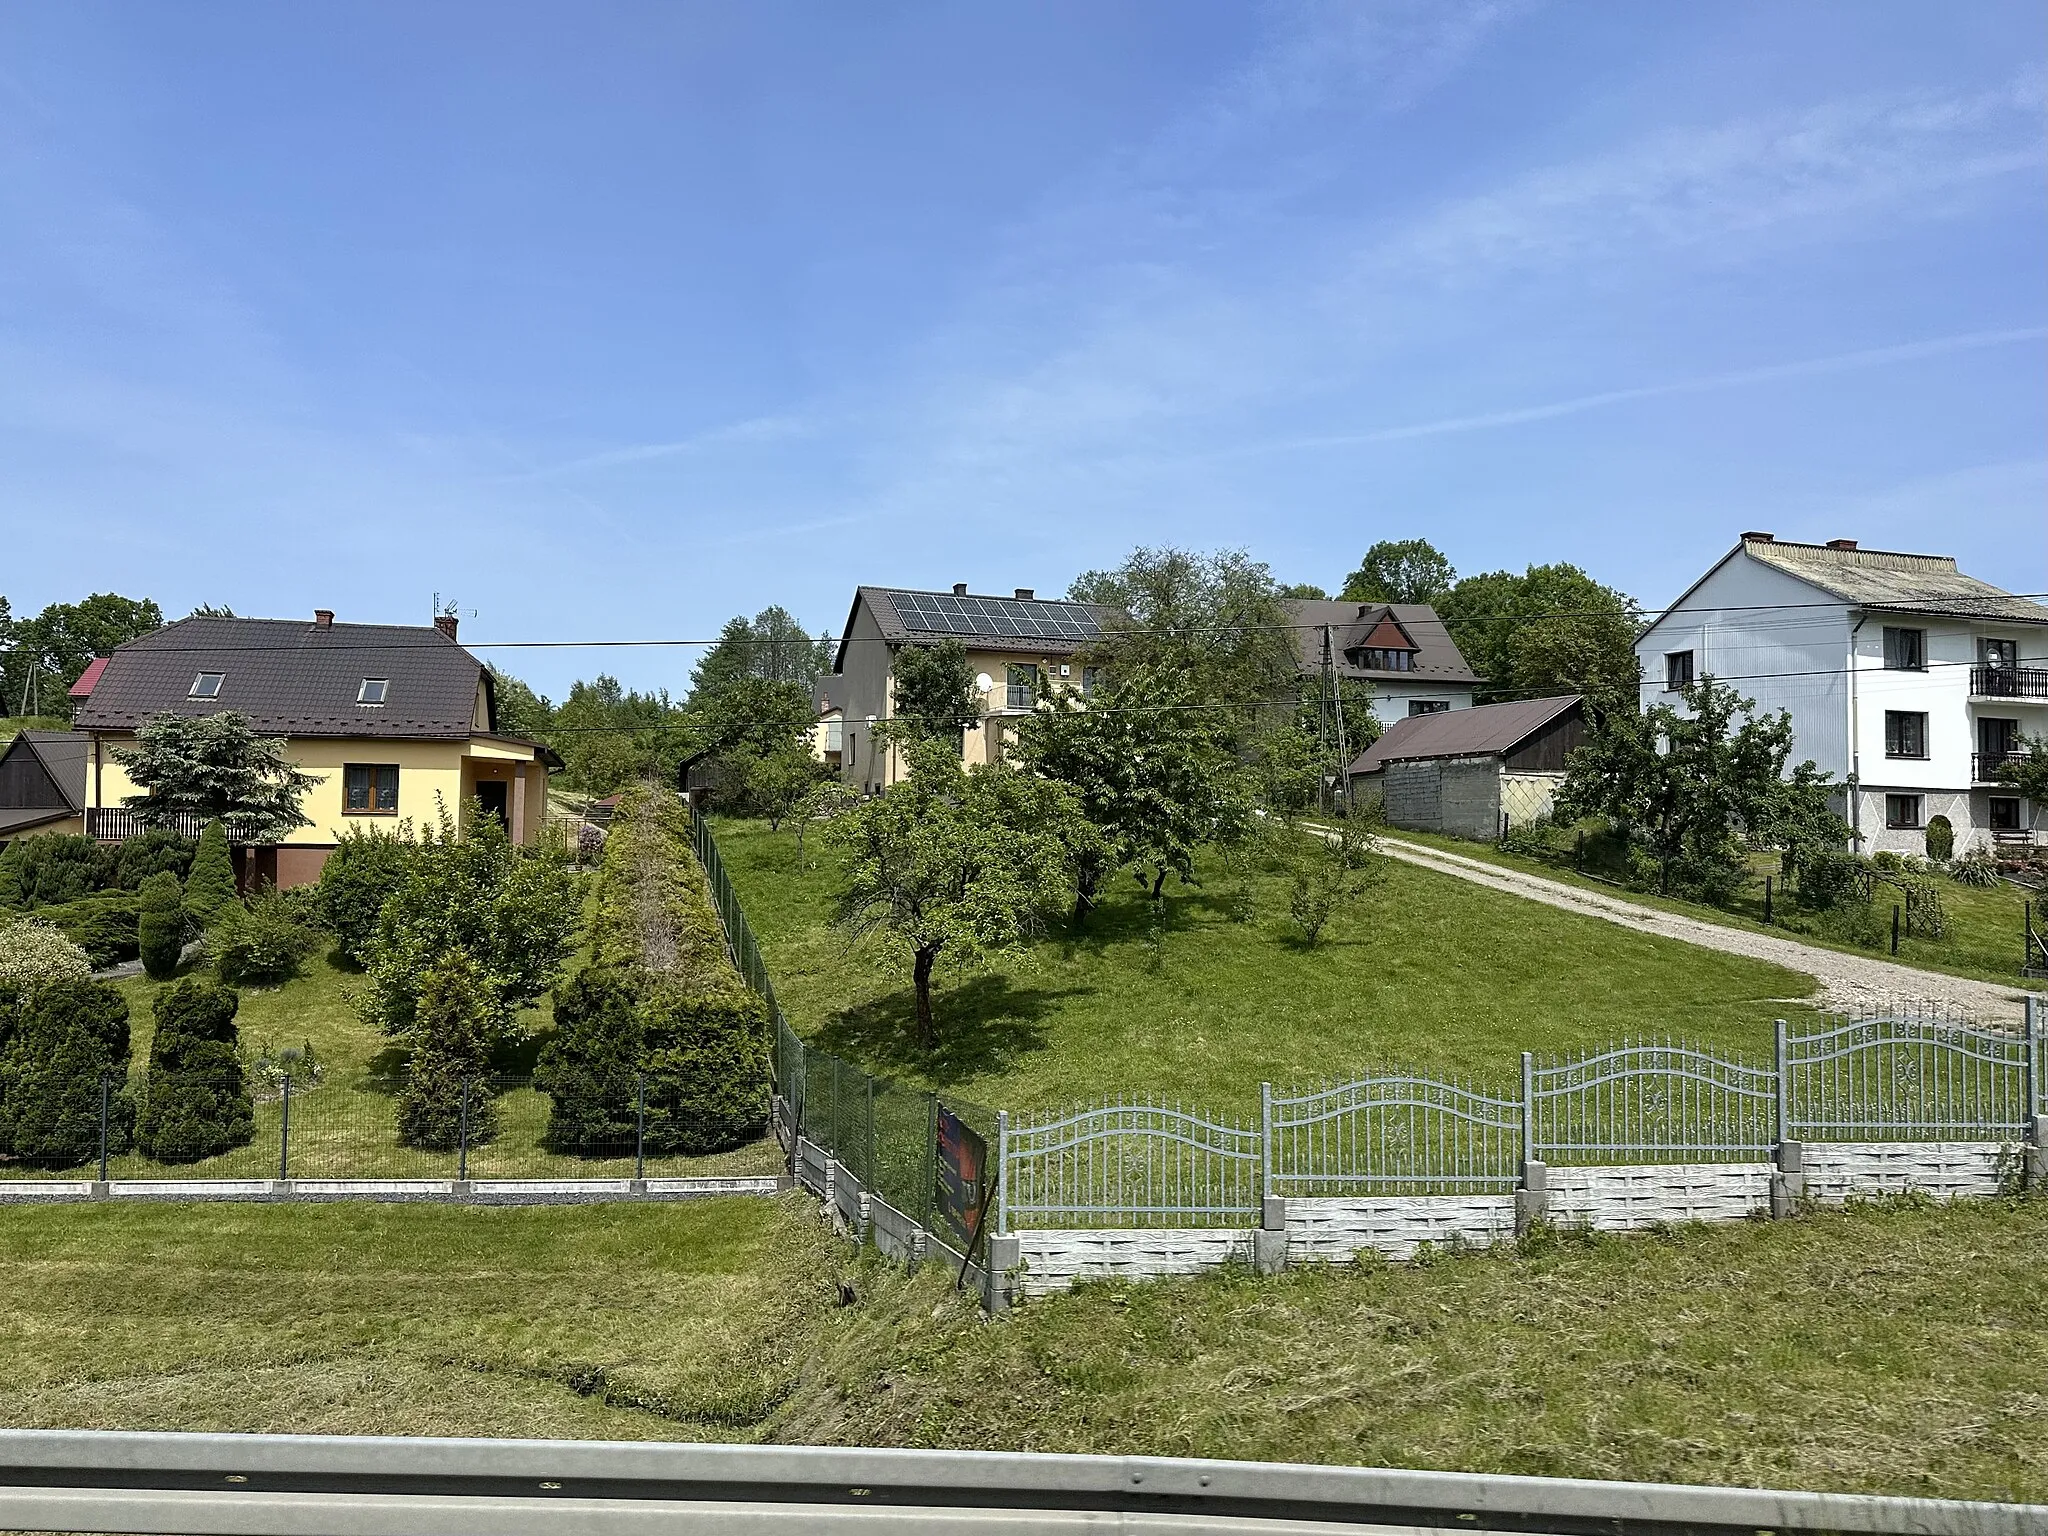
x: 82, y: 689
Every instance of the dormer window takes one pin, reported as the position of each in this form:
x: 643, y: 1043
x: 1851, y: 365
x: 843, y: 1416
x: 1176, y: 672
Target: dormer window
x: 207, y: 685
x: 372, y: 691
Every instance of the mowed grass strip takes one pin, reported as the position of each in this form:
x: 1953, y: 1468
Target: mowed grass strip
x: 1432, y: 974
x: 685, y: 1321
x: 1892, y: 1349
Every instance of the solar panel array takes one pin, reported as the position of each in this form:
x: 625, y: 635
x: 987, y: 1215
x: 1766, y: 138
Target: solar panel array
x: 942, y: 613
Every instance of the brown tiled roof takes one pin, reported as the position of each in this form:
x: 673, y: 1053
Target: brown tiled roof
x: 292, y: 678
x: 1437, y: 657
x: 1488, y: 730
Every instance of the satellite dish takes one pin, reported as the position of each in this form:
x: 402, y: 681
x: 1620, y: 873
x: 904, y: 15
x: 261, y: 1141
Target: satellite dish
x: 984, y: 682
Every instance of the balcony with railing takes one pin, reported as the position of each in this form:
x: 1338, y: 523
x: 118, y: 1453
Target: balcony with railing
x: 116, y: 824
x: 2009, y: 683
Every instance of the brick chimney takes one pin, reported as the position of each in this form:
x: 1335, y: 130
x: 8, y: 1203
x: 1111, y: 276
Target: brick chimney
x: 1841, y: 543
x: 445, y: 622
x: 1758, y: 538
x: 323, y: 618
x: 959, y: 589
x: 1024, y: 592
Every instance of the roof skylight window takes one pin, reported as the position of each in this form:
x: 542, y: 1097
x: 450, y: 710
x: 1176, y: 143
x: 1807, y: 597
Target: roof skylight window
x: 207, y: 685
x: 372, y: 691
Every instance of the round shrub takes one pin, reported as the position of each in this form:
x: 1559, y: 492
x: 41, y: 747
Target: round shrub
x: 197, y: 1102
x: 1941, y: 839
x: 262, y: 944
x: 160, y: 925
x: 34, y: 955
x: 149, y: 853
x: 367, y: 865
x: 70, y: 1039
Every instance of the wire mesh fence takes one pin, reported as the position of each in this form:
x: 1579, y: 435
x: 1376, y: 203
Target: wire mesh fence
x: 491, y: 1126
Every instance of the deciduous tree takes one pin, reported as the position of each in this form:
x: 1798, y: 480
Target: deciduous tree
x: 1551, y: 630
x: 953, y: 864
x: 1400, y: 571
x: 1685, y: 786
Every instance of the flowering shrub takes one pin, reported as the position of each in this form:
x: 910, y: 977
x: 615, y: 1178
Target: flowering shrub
x: 34, y: 955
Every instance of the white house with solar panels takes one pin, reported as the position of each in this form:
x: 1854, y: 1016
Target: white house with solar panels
x: 1016, y: 645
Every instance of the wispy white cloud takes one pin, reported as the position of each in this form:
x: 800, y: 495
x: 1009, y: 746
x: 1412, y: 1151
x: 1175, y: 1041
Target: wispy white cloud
x: 1845, y: 362
x: 757, y: 429
x: 1692, y: 185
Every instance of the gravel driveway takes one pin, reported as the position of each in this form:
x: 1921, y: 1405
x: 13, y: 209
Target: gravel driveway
x: 1848, y: 983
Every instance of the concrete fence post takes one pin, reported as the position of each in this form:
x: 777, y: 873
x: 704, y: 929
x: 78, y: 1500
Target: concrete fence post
x: 2035, y: 1169
x: 1532, y: 1199
x: 1269, y: 1241
x: 1788, y: 1157
x: 1004, y: 1254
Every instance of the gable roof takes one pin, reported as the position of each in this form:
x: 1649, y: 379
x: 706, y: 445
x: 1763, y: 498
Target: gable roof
x: 62, y: 756
x: 1041, y: 626
x: 1353, y: 626
x: 295, y: 678
x: 1487, y: 730
x: 1884, y: 579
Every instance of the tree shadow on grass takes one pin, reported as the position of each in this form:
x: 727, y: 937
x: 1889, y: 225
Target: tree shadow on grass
x: 985, y: 1026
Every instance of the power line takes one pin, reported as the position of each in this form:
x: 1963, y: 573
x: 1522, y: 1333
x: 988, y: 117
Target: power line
x: 1949, y: 609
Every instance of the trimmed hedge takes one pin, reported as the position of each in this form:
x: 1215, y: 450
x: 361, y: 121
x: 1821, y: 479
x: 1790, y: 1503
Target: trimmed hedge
x: 661, y: 1002
x: 197, y: 1102
x: 105, y: 927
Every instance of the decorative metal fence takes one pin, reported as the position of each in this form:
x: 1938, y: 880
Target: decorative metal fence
x: 1116, y: 1165
x: 1652, y: 1102
x: 1909, y: 1078
x: 1391, y: 1135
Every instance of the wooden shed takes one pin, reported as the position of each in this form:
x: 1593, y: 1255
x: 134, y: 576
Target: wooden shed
x: 1473, y: 772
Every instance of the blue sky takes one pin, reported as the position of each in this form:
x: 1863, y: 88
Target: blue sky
x: 615, y: 320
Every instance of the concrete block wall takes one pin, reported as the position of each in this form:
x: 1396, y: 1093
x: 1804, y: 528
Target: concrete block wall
x: 1335, y: 1230
x: 1054, y: 1259
x: 1944, y: 1169
x: 1630, y: 1198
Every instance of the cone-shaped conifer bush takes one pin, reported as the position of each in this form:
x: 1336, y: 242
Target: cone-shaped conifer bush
x: 160, y: 925
x: 197, y: 1103
x: 210, y: 888
x: 68, y: 1038
x: 451, y: 1046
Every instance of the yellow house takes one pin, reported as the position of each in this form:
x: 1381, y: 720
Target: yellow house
x: 1016, y: 647
x: 394, y: 722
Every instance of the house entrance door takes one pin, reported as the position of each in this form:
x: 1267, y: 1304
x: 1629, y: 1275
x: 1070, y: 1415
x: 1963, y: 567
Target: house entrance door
x: 493, y: 793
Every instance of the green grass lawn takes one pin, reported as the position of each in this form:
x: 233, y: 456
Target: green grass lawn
x: 1983, y: 941
x: 1896, y: 1348
x: 610, y: 1321
x: 1432, y: 973
x: 346, y: 1125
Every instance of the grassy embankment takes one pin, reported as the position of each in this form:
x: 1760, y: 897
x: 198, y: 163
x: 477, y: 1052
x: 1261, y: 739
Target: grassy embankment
x: 1983, y: 938
x: 1890, y: 1348
x: 1431, y: 973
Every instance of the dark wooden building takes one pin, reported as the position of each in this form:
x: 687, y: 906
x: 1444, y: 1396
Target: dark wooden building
x: 1472, y: 772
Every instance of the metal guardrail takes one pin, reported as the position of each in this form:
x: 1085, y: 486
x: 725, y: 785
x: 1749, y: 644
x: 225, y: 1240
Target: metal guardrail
x: 312, y: 1485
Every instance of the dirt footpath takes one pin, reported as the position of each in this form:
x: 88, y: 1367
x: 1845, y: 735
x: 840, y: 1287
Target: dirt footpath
x: 1848, y: 983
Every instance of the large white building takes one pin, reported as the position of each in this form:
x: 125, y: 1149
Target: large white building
x: 1903, y: 677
